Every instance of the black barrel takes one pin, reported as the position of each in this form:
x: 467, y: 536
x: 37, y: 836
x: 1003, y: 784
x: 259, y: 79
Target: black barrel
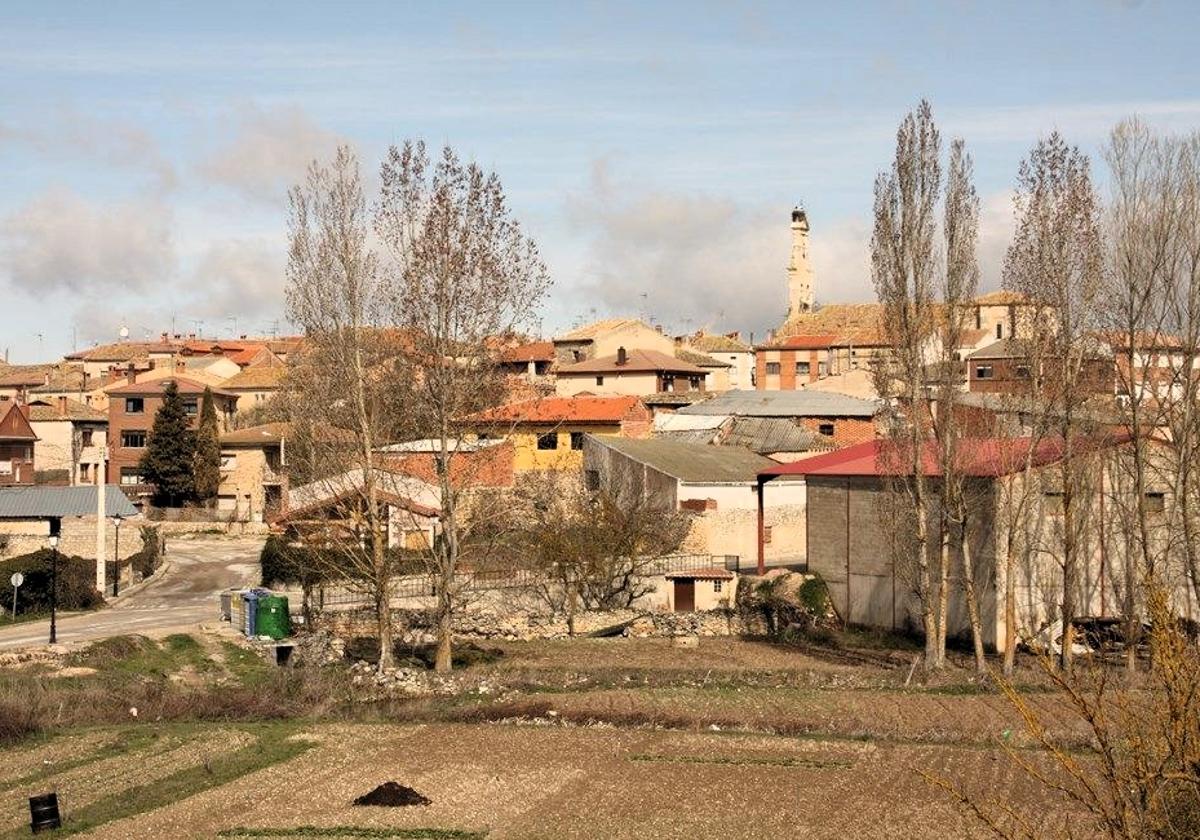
x: 43, y: 812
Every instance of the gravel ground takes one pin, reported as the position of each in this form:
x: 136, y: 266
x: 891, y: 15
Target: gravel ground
x: 88, y: 783
x: 564, y: 782
x: 22, y: 762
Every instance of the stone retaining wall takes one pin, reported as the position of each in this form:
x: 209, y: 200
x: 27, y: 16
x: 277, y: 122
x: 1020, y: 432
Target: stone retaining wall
x: 418, y: 626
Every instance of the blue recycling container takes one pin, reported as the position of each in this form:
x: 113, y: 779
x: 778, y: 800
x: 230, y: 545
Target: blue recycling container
x: 251, y: 597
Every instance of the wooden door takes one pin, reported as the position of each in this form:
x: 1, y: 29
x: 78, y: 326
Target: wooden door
x: 685, y: 595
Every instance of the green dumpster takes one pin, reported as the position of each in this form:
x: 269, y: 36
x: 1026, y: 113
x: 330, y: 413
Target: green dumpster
x: 272, y: 617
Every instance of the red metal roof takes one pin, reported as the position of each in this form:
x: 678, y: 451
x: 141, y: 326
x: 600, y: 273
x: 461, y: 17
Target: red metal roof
x: 979, y: 457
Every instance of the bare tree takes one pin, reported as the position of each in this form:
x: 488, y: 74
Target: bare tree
x: 594, y: 550
x: 1055, y: 260
x: 337, y: 295
x: 909, y: 274
x: 461, y: 273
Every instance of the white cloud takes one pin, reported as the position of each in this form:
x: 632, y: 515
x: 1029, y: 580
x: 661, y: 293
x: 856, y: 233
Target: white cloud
x: 267, y: 151
x: 700, y: 260
x: 61, y: 241
x: 241, y: 279
x: 111, y: 141
x: 704, y: 260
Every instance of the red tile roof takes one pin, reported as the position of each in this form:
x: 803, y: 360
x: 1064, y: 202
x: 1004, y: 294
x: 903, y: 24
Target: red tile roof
x: 980, y: 457
x: 579, y: 409
x: 155, y: 387
x: 636, y: 361
x: 807, y: 342
x: 536, y: 351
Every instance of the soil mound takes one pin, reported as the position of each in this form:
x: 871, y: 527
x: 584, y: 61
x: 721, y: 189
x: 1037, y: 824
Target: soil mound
x: 392, y: 795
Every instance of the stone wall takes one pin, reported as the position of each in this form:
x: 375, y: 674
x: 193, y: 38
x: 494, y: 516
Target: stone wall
x: 78, y: 537
x: 233, y: 529
x: 415, y: 626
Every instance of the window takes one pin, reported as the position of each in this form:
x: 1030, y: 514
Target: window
x: 826, y: 429
x: 133, y: 438
x: 1022, y: 371
x: 717, y: 585
x: 134, y: 405
x: 1052, y: 500
x: 189, y: 408
x: 983, y: 371
x: 694, y: 383
x: 999, y: 331
x: 577, y: 441
x: 577, y: 355
x: 978, y: 318
x: 228, y: 462
x: 599, y: 380
x: 548, y: 441
x: 802, y: 368
x: 772, y: 368
x: 668, y: 383
x: 130, y: 476
x: 1156, y: 502
x: 85, y: 474
x: 85, y: 437
x: 591, y: 480
x: 822, y: 369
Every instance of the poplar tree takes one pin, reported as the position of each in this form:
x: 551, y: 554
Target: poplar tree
x: 208, y: 449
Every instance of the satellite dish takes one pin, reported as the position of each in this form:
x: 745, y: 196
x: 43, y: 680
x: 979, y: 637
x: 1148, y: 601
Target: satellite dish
x: 124, y: 332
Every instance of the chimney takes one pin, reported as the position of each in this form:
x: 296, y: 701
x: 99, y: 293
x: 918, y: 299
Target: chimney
x: 622, y: 356
x: 131, y: 372
x: 62, y: 406
x: 165, y: 337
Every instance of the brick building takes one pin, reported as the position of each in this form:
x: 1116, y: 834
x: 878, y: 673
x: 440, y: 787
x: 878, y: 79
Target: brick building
x: 841, y: 420
x: 1006, y: 367
x: 131, y: 410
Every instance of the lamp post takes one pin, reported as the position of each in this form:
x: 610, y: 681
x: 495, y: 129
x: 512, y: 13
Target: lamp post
x: 54, y: 589
x: 116, y: 521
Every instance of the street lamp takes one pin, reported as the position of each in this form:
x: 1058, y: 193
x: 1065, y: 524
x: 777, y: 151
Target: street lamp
x: 54, y: 589
x: 116, y: 521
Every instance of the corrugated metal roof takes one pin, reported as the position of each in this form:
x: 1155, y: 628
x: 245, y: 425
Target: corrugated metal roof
x: 677, y: 422
x: 691, y: 462
x: 784, y: 404
x: 774, y: 434
x: 48, y: 502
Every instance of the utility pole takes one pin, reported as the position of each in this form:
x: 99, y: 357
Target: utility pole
x: 101, y: 522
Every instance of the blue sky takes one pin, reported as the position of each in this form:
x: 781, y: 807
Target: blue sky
x: 653, y: 149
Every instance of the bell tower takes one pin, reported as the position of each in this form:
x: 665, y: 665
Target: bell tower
x: 800, y: 274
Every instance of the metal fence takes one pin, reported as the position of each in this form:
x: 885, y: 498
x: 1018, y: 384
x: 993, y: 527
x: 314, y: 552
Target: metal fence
x: 349, y: 595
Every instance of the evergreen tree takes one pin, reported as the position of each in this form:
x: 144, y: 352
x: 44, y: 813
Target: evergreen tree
x: 208, y: 450
x: 170, y: 456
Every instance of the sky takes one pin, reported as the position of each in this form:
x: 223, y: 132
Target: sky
x: 653, y: 150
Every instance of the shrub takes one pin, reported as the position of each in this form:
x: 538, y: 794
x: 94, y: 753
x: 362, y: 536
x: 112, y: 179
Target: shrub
x: 76, y: 582
x: 146, y: 561
x: 17, y: 721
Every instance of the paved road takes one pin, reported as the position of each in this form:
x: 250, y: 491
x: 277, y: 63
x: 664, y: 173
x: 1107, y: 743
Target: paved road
x: 181, y: 597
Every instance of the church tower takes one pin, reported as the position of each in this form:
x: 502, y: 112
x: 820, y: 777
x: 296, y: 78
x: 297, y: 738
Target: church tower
x: 800, y: 274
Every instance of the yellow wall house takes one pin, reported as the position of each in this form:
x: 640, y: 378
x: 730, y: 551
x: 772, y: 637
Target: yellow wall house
x: 255, y: 385
x: 253, y: 484
x: 547, y: 434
